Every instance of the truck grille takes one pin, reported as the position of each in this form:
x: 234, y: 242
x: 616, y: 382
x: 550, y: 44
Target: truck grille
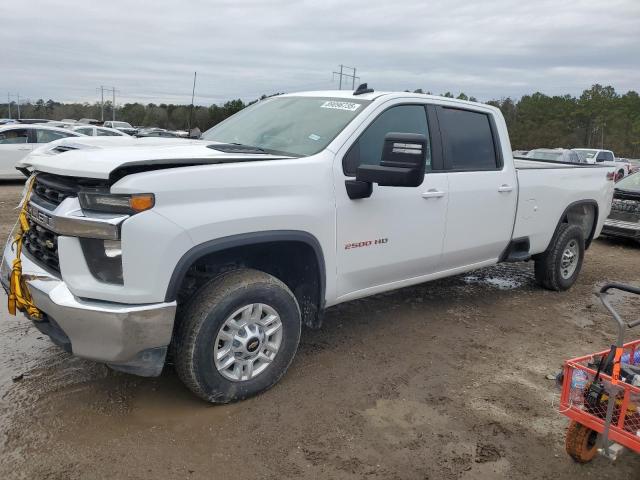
x: 50, y: 190
x: 42, y: 245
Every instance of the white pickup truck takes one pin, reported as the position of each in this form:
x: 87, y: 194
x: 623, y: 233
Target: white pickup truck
x: 220, y: 249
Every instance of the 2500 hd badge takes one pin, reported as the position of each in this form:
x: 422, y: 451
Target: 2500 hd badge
x: 366, y: 243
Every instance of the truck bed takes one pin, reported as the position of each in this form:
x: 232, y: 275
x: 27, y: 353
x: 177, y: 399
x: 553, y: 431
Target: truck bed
x: 547, y: 188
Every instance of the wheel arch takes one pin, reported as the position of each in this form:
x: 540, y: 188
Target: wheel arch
x: 302, y: 245
x: 577, y: 214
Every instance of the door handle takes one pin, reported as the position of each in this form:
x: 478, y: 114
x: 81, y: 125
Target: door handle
x: 505, y: 188
x: 432, y: 193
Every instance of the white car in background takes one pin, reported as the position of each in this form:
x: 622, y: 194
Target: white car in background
x: 94, y: 131
x: 19, y: 140
x: 554, y: 155
x: 605, y: 157
x: 122, y: 126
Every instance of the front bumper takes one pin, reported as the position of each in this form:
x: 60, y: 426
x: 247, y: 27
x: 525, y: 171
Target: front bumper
x: 620, y: 228
x: 131, y: 338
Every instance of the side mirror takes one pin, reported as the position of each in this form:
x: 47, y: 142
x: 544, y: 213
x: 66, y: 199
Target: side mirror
x: 402, y: 163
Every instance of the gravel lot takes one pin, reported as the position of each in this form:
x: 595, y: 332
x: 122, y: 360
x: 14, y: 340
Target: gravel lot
x: 445, y: 380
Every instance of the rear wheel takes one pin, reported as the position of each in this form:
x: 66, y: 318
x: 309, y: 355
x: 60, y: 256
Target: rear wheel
x: 237, y: 336
x: 581, y: 443
x: 558, y: 268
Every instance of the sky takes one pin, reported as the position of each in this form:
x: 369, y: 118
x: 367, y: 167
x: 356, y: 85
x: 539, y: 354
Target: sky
x: 148, y: 50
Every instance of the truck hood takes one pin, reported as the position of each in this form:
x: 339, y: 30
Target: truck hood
x: 100, y: 157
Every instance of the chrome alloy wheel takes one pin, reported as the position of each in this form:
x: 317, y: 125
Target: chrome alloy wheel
x: 569, y: 261
x: 247, y: 342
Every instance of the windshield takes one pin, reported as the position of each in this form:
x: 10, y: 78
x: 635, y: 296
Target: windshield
x: 632, y: 183
x: 545, y: 155
x: 297, y: 126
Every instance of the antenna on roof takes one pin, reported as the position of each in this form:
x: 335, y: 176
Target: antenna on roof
x: 362, y: 88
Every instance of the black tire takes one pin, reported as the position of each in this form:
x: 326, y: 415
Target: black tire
x: 200, y: 321
x: 548, y: 265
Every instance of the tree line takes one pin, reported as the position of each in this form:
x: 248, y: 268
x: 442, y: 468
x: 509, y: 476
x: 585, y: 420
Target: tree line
x: 599, y: 118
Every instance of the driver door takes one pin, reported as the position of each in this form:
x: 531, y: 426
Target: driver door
x: 396, y: 235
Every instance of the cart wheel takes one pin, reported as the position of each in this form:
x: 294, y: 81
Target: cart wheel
x: 581, y: 443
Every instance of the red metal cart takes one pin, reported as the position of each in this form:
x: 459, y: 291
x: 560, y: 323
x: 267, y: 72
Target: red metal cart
x: 602, y: 402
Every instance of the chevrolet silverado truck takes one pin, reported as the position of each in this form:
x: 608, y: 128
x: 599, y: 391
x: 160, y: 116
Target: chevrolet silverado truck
x: 217, y: 251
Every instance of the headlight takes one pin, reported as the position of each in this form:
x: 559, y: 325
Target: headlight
x: 116, y: 203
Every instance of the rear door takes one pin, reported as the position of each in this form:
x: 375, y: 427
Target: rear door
x: 483, y: 188
x: 14, y: 145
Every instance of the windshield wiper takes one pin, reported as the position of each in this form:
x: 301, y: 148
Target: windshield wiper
x: 237, y: 148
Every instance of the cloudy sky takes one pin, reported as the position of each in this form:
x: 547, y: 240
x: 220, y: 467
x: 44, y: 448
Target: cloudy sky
x: 242, y: 48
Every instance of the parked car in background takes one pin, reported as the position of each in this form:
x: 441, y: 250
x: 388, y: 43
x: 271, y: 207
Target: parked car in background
x: 59, y: 124
x: 28, y: 121
x: 90, y: 121
x: 604, y: 157
x: 634, y: 165
x: 69, y: 120
x: 624, y: 219
x: 7, y: 121
x: 554, y: 155
x: 156, y: 132
x: 17, y: 141
x: 122, y: 126
x: 94, y: 131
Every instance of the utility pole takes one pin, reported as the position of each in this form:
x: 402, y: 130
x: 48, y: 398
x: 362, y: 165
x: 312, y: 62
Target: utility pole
x: 113, y: 106
x: 604, y: 124
x: 193, y: 93
x: 18, y: 95
x: 9, y: 103
x: 101, y: 103
x: 341, y: 74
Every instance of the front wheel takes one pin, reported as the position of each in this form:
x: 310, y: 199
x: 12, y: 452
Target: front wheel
x: 558, y: 268
x: 237, y: 336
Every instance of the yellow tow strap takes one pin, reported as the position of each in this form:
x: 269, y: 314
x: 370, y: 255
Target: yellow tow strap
x: 19, y: 296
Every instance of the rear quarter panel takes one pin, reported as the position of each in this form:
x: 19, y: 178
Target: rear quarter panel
x: 545, y: 194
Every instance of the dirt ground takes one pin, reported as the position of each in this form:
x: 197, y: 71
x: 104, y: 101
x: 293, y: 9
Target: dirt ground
x: 445, y: 380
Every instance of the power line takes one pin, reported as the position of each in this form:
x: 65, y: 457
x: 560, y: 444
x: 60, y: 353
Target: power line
x: 341, y: 74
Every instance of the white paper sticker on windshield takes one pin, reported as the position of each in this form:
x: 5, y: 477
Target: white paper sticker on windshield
x: 314, y: 137
x: 349, y: 106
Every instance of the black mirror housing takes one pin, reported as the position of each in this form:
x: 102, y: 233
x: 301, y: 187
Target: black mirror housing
x: 402, y: 163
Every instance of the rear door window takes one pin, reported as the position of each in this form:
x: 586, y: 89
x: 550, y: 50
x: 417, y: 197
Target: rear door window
x: 468, y: 140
